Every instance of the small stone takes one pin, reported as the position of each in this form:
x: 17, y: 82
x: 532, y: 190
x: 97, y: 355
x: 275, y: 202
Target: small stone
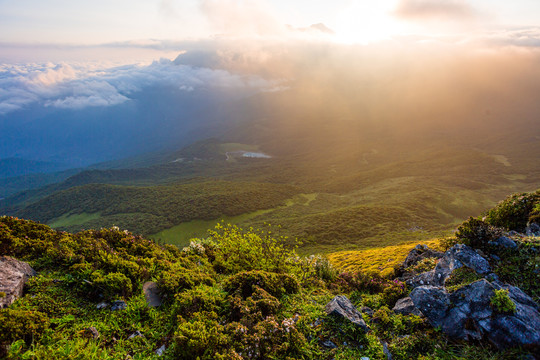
x: 135, y: 334
x: 329, y: 344
x: 118, y: 305
x: 161, y: 350
x: 364, y: 358
x: 102, y: 305
x: 91, y: 333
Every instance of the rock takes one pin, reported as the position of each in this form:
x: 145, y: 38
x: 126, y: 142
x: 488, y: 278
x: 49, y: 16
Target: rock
x: 368, y: 311
x: 406, y: 306
x: 426, y: 278
x: 419, y: 253
x: 467, y: 314
x: 341, y: 307
x: 457, y: 256
x: 364, y: 358
x: 504, y: 242
x: 13, y: 275
x: 118, y: 305
x: 102, y: 305
x: 533, y: 229
x: 161, y: 350
x: 91, y: 333
x: 329, y: 344
x: 432, y: 301
x: 135, y: 334
x: 385, y: 350
x: 151, y: 294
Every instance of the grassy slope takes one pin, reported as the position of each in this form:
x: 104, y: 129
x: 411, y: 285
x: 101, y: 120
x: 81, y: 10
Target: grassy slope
x: 239, y: 293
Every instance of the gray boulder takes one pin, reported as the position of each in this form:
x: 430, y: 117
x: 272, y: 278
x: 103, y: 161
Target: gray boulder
x: 467, y: 314
x: 432, y: 301
x: 13, y: 275
x: 457, y: 256
x: 342, y: 307
x: 504, y: 242
x: 406, y: 306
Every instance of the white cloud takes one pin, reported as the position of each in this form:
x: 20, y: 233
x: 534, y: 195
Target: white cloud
x: 80, y: 85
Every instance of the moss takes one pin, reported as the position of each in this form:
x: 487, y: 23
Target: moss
x: 459, y: 278
x: 501, y: 302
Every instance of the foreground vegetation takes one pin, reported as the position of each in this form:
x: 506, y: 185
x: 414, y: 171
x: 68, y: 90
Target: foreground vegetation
x: 235, y: 294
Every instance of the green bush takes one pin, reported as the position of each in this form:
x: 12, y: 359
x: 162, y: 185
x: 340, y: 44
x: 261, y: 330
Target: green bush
x: 111, y: 285
x: 477, y: 233
x: 245, y: 283
x: 19, y: 324
x: 201, y: 298
x: 501, y: 302
x: 237, y: 250
x: 203, y: 336
x: 513, y: 213
x: 534, y: 217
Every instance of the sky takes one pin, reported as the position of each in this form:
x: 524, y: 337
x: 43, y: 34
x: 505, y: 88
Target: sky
x: 107, y: 21
x: 63, y: 58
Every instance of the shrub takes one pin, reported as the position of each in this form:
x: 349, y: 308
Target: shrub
x: 501, y: 302
x: 21, y: 324
x: 237, y: 250
x: 112, y: 285
x: 245, y: 283
x: 201, y: 298
x: 534, y: 217
x: 513, y: 213
x: 477, y: 233
x: 200, y: 337
x: 393, y: 291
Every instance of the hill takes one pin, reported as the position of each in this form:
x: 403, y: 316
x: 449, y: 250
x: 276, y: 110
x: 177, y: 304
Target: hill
x: 239, y: 295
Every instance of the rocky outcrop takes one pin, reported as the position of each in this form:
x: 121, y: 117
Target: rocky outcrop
x: 467, y: 314
x: 459, y: 255
x: 342, y: 307
x: 13, y: 276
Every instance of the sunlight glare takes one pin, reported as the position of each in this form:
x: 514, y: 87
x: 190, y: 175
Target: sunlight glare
x: 366, y: 22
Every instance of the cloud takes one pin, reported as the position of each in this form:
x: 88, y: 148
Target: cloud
x: 435, y: 9
x: 81, y: 85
